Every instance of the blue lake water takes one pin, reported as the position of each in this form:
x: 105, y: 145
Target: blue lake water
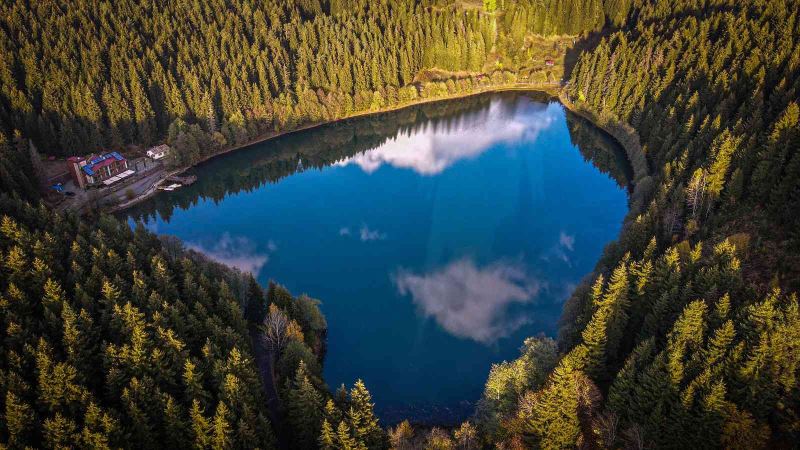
x: 437, y: 237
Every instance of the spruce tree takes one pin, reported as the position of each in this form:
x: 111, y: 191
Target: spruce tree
x: 304, y: 406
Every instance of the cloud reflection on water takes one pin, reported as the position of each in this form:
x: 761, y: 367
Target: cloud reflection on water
x: 567, y: 241
x: 365, y: 233
x: 430, y: 150
x: 239, y: 252
x: 469, y: 301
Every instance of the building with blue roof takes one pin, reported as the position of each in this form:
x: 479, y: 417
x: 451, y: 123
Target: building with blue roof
x: 104, y: 169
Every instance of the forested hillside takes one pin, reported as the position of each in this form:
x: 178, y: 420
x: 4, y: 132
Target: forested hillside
x: 687, y: 335
x: 80, y: 75
x: 111, y: 336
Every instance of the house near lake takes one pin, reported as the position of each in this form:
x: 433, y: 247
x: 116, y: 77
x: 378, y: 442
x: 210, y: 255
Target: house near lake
x: 98, y: 170
x: 158, y: 152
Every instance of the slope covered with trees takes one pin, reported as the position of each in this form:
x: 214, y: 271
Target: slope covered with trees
x: 112, y: 336
x: 687, y: 334
x: 80, y: 75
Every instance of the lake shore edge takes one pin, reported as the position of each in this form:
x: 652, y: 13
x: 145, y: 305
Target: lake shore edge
x: 628, y: 138
x: 623, y: 134
x: 552, y: 90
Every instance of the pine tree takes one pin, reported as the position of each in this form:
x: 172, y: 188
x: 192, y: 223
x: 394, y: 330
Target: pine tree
x: 201, y: 428
x: 19, y: 420
x: 175, y: 425
x: 59, y: 431
x: 363, y: 421
x: 550, y: 415
x: 603, y: 334
x: 616, y: 298
x: 621, y: 392
x: 304, y: 408
x: 344, y: 440
x: 686, y: 336
x: 327, y: 438
x: 99, y: 429
x: 221, y: 429
x: 256, y: 309
x: 722, y: 152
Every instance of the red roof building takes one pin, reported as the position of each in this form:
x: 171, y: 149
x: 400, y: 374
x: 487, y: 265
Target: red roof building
x: 107, y: 169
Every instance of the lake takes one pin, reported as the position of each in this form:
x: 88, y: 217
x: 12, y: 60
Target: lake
x: 437, y: 237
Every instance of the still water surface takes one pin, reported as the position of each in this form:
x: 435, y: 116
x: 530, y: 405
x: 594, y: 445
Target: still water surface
x: 437, y: 237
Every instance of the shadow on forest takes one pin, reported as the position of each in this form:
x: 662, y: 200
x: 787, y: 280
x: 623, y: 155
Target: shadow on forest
x: 591, y: 39
x: 57, y: 134
x: 587, y: 42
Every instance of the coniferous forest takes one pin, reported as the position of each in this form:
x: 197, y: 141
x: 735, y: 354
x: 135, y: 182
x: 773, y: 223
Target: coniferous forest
x: 686, y: 335
x: 206, y: 75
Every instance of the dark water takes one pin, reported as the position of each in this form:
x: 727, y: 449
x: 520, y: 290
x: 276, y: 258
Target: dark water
x: 437, y: 237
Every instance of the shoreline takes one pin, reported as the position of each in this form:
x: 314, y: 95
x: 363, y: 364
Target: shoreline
x: 627, y: 138
x: 623, y: 134
x: 527, y: 87
x: 150, y: 192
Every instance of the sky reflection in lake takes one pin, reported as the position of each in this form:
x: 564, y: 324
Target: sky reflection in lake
x: 239, y: 252
x: 471, y: 302
x: 429, y: 150
x: 437, y: 238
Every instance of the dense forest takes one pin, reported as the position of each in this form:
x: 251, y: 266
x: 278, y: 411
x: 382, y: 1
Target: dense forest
x: 205, y: 75
x: 686, y: 335
x: 110, y: 333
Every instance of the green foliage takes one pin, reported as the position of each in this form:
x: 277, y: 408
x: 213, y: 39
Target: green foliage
x: 79, y: 76
x: 509, y: 380
x: 16, y: 167
x: 349, y: 422
x: 304, y: 406
x: 292, y: 356
x: 617, y: 11
x: 138, y: 351
x: 361, y: 417
x: 549, y: 17
x: 552, y: 416
x: 690, y: 375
